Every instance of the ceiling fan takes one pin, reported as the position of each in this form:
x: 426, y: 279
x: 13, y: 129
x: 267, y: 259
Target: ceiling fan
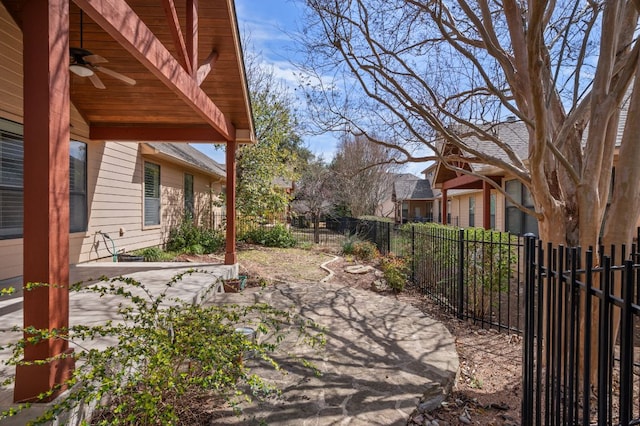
x: 85, y: 64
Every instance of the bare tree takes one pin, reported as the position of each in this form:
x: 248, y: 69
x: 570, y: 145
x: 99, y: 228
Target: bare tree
x: 441, y: 68
x: 428, y: 68
x: 361, y: 171
x: 314, y: 192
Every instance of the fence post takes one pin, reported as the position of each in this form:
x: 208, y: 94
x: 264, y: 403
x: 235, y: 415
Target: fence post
x: 413, y: 254
x: 460, y: 304
x: 626, y: 345
x: 529, y: 336
x: 388, y: 237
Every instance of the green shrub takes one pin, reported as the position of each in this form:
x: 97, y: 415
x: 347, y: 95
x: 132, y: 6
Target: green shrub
x: 377, y: 219
x: 162, y: 354
x: 154, y: 254
x: 361, y: 250
x: 275, y: 236
x: 488, y: 259
x: 195, y: 249
x: 365, y: 251
x: 395, y: 270
x: 187, y: 236
x: 348, y: 245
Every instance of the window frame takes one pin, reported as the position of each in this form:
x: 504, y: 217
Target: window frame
x: 525, y: 223
x: 188, y: 201
x: 147, y: 199
x: 16, y: 131
x: 492, y: 210
x: 83, y: 192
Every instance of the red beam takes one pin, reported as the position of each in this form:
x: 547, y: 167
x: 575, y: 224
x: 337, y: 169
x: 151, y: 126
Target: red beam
x: 123, y: 25
x: 192, y: 34
x: 46, y: 194
x: 176, y: 33
x: 206, y: 68
x: 107, y: 132
x: 231, y: 257
x: 463, y: 182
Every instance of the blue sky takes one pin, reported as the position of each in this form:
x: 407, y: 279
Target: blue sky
x: 270, y: 24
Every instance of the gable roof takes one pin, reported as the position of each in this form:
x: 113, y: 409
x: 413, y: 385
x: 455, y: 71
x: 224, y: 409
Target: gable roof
x: 184, y: 153
x: 510, y: 132
x: 413, y: 189
x: 170, y: 52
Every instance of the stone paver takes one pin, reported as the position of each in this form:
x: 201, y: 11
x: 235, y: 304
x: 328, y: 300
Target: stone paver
x: 381, y: 354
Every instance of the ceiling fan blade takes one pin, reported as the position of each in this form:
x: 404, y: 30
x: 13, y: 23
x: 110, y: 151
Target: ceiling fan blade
x: 96, y: 81
x: 115, y: 74
x: 94, y: 59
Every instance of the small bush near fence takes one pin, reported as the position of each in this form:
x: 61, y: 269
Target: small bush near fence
x: 395, y: 270
x: 361, y: 250
x: 469, y: 271
x: 488, y: 257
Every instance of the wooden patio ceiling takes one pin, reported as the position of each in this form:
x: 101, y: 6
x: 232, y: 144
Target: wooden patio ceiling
x: 148, y: 41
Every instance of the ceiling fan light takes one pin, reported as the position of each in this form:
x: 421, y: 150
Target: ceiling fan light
x: 80, y: 70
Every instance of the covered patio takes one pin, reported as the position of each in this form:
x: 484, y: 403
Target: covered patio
x: 181, y: 80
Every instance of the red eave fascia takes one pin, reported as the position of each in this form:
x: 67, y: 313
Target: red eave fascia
x: 462, y: 182
x: 116, y: 132
x: 118, y: 20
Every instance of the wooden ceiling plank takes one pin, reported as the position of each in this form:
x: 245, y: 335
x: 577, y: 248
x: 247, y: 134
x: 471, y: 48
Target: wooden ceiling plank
x: 117, y: 19
x: 176, y: 34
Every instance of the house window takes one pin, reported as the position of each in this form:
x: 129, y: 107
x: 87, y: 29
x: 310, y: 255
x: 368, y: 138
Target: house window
x: 518, y: 222
x: 472, y: 211
x: 11, y: 184
x: 188, y: 195
x: 77, y: 187
x: 151, y: 194
x: 405, y: 211
x: 12, y: 187
x: 492, y: 211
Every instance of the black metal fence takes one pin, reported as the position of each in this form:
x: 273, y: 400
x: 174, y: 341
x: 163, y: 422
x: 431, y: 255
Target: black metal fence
x: 582, y: 322
x: 301, y: 228
x: 471, y: 273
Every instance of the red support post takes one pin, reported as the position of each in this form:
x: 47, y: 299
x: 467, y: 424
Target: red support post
x: 486, y: 205
x: 46, y: 194
x: 444, y: 206
x: 231, y: 257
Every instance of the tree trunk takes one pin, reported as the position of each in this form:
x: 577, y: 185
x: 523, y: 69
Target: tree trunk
x: 316, y: 228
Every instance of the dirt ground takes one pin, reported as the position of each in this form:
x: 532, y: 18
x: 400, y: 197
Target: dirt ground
x: 487, y: 391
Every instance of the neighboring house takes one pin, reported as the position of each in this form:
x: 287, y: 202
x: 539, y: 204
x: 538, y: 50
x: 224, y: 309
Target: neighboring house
x: 468, y: 201
x: 387, y: 207
x: 70, y: 159
x: 413, y: 200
